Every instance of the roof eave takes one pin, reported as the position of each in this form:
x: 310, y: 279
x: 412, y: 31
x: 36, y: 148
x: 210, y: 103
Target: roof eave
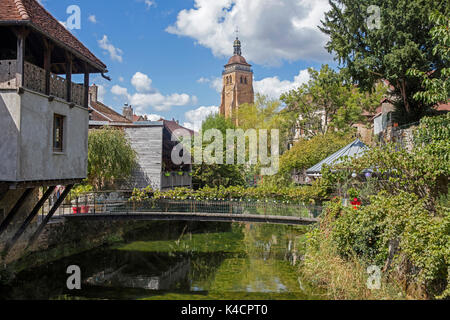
x: 100, y: 68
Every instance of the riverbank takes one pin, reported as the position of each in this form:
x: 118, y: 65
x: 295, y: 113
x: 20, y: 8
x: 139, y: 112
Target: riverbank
x: 345, y: 279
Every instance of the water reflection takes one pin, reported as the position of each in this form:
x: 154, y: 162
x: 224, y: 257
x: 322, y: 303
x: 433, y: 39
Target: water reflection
x: 180, y: 261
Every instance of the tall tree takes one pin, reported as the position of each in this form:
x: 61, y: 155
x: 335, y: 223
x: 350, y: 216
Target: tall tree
x: 329, y: 100
x: 437, y: 84
x: 265, y: 113
x: 383, y: 39
x: 215, y: 175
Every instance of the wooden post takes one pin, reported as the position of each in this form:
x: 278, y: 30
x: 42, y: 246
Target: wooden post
x: 86, y: 86
x: 69, y: 65
x: 47, y: 64
x: 21, y: 35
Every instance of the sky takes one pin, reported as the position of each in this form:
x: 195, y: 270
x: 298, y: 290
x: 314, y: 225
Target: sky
x: 166, y: 57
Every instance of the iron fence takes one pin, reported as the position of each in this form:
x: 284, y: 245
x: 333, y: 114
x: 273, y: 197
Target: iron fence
x: 119, y: 202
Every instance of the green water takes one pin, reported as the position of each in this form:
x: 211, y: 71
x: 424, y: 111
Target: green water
x: 183, y: 261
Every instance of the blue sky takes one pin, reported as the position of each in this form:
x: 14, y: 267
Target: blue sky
x: 166, y: 57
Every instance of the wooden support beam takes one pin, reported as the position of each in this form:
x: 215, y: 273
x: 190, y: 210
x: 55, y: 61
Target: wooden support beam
x: 15, y: 209
x: 21, y: 34
x: 50, y: 214
x: 28, y: 220
x: 86, y: 86
x: 47, y: 64
x: 69, y: 66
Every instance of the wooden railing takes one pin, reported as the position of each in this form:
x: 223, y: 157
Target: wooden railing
x: 34, y: 79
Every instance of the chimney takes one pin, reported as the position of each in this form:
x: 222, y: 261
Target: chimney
x: 128, y: 112
x: 93, y: 93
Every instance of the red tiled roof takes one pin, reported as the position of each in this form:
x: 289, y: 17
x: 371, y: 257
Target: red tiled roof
x: 100, y: 112
x: 443, y: 107
x: 31, y: 12
x: 237, y: 59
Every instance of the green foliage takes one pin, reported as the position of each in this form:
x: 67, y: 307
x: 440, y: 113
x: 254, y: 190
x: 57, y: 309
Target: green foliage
x: 308, y: 194
x: 403, y: 41
x: 330, y: 94
x: 423, y: 171
x: 306, y: 153
x: 423, y: 239
x: 110, y: 157
x: 408, y: 206
x: 214, y: 175
x: 265, y: 114
x: 436, y: 83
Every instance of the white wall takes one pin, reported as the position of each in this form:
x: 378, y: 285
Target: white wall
x: 36, y: 159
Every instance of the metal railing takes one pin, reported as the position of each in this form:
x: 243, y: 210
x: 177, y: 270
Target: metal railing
x: 117, y: 202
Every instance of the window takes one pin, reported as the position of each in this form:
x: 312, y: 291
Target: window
x: 241, y: 80
x: 245, y: 80
x: 58, y: 132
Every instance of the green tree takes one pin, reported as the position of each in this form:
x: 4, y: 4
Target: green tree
x: 329, y: 100
x: 307, y: 152
x: 110, y: 157
x: 265, y: 114
x: 437, y: 83
x: 215, y: 175
x: 401, y: 41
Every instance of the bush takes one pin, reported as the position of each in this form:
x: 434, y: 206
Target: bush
x: 309, y: 194
x: 422, y: 253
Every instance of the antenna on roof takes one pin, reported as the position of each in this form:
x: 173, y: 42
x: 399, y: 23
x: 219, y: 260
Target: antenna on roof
x: 237, y: 32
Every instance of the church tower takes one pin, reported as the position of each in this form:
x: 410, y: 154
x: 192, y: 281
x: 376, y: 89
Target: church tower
x: 237, y: 84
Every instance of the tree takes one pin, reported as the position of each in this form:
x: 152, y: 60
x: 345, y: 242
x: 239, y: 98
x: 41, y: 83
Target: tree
x: 329, y: 100
x: 110, y: 157
x: 215, y: 175
x: 437, y: 84
x: 307, y: 152
x: 387, y: 50
x: 265, y: 114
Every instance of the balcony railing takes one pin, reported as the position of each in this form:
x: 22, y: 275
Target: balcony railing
x: 34, y: 79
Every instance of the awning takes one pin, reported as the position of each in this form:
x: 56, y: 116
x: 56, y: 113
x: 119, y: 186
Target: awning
x: 353, y: 150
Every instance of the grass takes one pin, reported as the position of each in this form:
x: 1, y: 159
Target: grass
x: 344, y: 279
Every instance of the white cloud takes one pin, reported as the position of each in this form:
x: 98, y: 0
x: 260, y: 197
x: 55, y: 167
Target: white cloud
x: 141, y: 82
x: 114, y: 53
x: 215, y: 83
x: 197, y: 116
x: 150, y: 3
x: 274, y: 87
x: 152, y: 117
x: 277, y: 30
x: 101, y: 93
x: 92, y: 18
x: 119, y: 91
x: 147, y: 97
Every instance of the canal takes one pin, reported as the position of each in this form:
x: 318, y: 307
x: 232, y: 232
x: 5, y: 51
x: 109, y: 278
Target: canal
x: 182, y: 261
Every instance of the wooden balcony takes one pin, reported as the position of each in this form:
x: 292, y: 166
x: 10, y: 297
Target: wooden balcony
x: 34, y: 78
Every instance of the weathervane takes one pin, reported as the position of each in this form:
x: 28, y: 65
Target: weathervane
x: 237, y: 32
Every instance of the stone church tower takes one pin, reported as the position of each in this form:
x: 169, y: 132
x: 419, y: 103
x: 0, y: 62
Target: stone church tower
x: 237, y: 84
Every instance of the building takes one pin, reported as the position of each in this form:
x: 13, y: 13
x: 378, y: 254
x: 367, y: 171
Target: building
x: 237, y: 81
x: 152, y: 141
x: 43, y: 113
